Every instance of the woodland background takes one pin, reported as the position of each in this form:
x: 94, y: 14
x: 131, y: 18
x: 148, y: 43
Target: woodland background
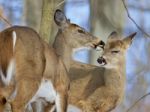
x: 100, y: 17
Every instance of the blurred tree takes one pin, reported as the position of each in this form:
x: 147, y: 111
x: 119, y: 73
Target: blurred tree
x: 47, y: 27
x: 32, y: 13
x: 47, y: 18
x: 106, y: 16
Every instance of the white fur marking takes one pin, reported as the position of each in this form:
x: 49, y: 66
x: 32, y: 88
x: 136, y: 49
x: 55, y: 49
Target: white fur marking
x: 58, y: 103
x: 13, y: 95
x: 72, y: 108
x: 14, y: 36
x: 99, y: 48
x: 10, y: 72
x: 53, y: 108
x: 46, y: 91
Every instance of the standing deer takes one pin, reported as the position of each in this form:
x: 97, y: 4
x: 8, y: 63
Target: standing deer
x: 100, y: 89
x: 31, y: 69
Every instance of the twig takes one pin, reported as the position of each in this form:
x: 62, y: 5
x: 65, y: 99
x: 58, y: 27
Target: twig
x: 4, y: 19
x: 123, y: 1
x: 59, y: 4
x: 138, y: 101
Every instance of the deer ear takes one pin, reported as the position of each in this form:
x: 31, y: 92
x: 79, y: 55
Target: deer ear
x: 128, y: 40
x: 113, y: 35
x: 60, y: 18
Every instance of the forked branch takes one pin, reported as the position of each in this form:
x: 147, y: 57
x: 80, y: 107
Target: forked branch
x: 129, y: 16
x: 3, y: 18
x: 138, y: 101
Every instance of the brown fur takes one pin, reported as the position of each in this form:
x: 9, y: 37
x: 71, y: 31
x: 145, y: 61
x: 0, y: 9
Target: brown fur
x: 29, y: 61
x: 99, y: 89
x: 5, y: 48
x: 33, y: 63
x: 36, y: 60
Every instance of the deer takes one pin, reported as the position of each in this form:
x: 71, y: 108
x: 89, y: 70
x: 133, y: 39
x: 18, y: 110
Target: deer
x: 31, y: 69
x: 100, y: 88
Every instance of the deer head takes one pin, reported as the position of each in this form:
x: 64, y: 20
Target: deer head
x: 114, y: 50
x: 74, y: 35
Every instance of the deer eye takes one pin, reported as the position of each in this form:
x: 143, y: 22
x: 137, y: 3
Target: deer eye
x: 81, y: 31
x: 115, y: 51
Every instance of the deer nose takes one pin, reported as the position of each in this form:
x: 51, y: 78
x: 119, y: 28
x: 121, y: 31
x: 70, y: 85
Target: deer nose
x: 101, y: 60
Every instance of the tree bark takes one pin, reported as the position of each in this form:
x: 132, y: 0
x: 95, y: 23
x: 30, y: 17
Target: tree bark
x: 32, y: 13
x: 47, y: 20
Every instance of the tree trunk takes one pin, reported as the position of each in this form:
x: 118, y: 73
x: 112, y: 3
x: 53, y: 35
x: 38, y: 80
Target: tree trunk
x: 32, y: 13
x: 106, y: 16
x: 47, y: 20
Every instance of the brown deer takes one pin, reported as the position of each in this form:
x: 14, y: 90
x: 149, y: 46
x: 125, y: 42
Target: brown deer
x: 30, y: 69
x: 100, y: 89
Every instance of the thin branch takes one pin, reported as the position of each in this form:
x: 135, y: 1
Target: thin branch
x: 123, y: 1
x: 59, y: 4
x: 138, y: 101
x: 5, y: 20
x: 146, y: 9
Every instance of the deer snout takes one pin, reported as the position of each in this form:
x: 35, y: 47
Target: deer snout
x: 101, y: 61
x: 99, y: 45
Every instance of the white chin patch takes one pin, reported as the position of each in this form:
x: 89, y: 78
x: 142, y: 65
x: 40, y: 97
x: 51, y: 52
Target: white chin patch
x: 110, y: 66
x: 99, y: 48
x: 72, y: 108
x: 102, y: 64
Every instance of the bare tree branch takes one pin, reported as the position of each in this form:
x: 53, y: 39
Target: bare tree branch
x: 5, y: 20
x: 138, y: 101
x: 59, y: 4
x: 145, y: 33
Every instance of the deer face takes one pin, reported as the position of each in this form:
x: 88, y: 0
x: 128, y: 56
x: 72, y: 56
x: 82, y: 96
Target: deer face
x: 115, y: 50
x: 74, y: 35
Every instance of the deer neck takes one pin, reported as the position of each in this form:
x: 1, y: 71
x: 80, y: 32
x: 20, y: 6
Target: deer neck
x: 115, y: 77
x: 63, y: 50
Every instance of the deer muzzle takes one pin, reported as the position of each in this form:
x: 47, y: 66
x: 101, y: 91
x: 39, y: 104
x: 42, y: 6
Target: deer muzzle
x: 101, y: 61
x: 99, y: 45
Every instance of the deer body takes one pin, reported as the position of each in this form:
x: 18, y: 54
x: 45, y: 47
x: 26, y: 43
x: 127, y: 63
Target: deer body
x: 95, y: 88
x: 22, y: 61
x: 38, y: 68
x: 100, y: 89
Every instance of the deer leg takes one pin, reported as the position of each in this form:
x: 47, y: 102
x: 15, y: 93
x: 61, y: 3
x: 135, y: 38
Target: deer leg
x: 25, y: 91
x: 2, y: 103
x: 41, y: 106
x: 7, y: 107
x: 86, y: 106
x: 50, y: 108
x: 38, y: 106
x: 61, y: 102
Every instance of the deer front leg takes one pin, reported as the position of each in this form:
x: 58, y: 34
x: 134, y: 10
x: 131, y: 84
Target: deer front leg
x: 41, y: 105
x: 86, y: 106
x: 2, y: 103
x: 25, y: 91
x: 61, y: 102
